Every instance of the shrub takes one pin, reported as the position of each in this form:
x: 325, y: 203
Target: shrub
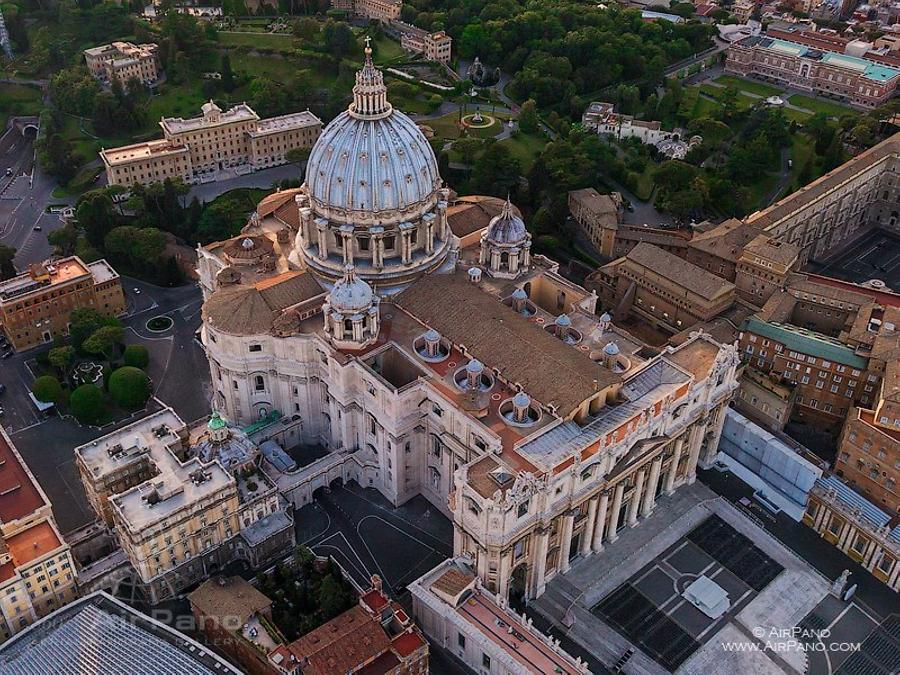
x: 88, y: 404
x: 129, y: 387
x: 136, y: 356
x: 47, y: 388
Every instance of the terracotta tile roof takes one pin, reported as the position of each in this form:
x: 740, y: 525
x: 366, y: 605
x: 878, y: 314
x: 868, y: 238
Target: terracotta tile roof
x: 696, y: 357
x: 726, y: 240
x: 276, y: 200
x: 19, y: 496
x: 452, y: 582
x: 599, y: 203
x: 374, y: 599
x: 473, y: 213
x: 342, y: 644
x: 235, y: 597
x: 548, y: 369
x: 250, y: 310
x: 771, y: 249
x: 384, y: 663
x: 679, y: 271
x: 289, y: 214
x: 821, y: 186
x: 407, y: 643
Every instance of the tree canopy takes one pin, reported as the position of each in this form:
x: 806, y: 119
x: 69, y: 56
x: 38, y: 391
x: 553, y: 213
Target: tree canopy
x: 48, y: 389
x: 88, y: 404
x: 129, y: 387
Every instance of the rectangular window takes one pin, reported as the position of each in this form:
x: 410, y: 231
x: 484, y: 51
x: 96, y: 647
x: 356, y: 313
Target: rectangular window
x: 461, y: 640
x: 255, y: 348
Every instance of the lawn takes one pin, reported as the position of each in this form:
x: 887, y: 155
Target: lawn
x: 750, y: 86
x: 830, y: 108
x: 387, y: 50
x: 17, y: 99
x: 447, y: 127
x: 280, y: 41
x: 802, y: 151
x: 525, y: 148
x: 174, y: 101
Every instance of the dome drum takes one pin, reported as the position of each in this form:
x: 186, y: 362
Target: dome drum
x: 520, y: 411
x: 505, y: 245
x: 350, y: 312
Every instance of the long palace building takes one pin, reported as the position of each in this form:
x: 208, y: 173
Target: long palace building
x: 474, y: 375
x: 195, y: 149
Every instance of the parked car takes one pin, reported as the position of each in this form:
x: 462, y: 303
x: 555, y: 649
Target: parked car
x: 2, y: 389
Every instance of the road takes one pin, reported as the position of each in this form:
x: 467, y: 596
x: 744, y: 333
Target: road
x: 178, y: 370
x: 23, y: 201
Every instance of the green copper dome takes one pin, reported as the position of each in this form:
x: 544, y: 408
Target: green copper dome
x: 216, y: 422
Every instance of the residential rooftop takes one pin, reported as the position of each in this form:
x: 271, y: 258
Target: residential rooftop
x: 42, y: 276
x: 20, y: 495
x: 238, y: 113
x: 806, y: 341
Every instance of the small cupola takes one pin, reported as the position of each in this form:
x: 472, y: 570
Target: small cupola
x: 351, y: 312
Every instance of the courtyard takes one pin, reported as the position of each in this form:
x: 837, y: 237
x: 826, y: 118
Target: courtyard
x: 367, y: 535
x: 650, y: 608
x: 874, y: 256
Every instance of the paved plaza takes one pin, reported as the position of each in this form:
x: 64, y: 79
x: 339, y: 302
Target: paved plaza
x: 874, y: 256
x: 629, y: 596
x: 367, y: 535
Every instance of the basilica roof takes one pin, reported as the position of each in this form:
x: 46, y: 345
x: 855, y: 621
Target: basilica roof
x: 250, y: 310
x: 548, y: 369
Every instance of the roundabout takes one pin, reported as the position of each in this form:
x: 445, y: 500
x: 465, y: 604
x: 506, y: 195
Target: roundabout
x: 159, y: 324
x: 478, y: 120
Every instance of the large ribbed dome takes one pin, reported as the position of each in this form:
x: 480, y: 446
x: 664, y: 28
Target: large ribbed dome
x: 371, y: 158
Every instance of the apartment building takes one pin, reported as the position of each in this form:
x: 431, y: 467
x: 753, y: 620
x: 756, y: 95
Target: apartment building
x: 375, y: 10
x: 35, y: 305
x: 124, y: 61
x: 827, y: 338
x: 195, y: 149
x: 183, y: 501
x: 37, y: 571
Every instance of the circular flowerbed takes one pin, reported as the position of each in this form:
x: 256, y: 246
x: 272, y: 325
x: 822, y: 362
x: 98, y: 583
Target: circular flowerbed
x: 478, y: 121
x: 158, y: 324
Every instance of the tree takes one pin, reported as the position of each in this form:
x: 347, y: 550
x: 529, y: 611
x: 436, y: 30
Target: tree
x: 103, y: 341
x: 136, y: 356
x: 332, y: 597
x: 306, y: 28
x: 47, y: 388
x: 64, y: 239
x: 496, y: 171
x: 468, y: 148
x: 61, y: 357
x: 129, y: 387
x: 87, y: 404
x: 528, y: 117
x: 338, y: 38
x: 96, y: 215
x: 85, y: 321
x: 227, y: 74
x: 7, y: 268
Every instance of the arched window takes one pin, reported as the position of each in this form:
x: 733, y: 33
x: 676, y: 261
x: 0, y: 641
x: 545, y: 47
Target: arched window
x: 436, y: 446
x: 435, y: 476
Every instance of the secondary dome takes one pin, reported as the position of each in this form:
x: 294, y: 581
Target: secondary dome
x: 506, y: 227
x: 351, y: 294
x: 371, y: 159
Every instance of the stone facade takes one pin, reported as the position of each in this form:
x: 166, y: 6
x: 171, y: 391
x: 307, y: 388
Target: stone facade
x: 183, y: 502
x: 791, y: 59
x: 482, y: 380
x: 195, y: 149
x: 834, y: 210
x: 598, y: 215
x: 124, y: 61
x: 37, y: 570
x: 35, y: 306
x: 857, y: 528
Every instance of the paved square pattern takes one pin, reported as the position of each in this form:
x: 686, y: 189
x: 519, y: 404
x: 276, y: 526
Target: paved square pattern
x: 649, y: 609
x: 833, y: 624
